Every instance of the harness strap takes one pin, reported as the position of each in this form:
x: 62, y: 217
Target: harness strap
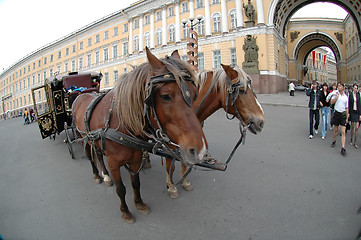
x: 189, y: 169
x: 207, y: 93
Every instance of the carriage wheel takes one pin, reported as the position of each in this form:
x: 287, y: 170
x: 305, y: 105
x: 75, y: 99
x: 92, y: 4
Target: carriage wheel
x: 68, y: 140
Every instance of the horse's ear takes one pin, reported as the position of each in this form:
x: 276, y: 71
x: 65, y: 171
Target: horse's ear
x: 175, y: 54
x: 154, y: 61
x: 231, y: 73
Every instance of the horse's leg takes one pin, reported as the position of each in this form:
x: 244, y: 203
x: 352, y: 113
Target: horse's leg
x: 88, y: 150
x: 114, y: 167
x: 172, y: 189
x: 105, y: 174
x: 185, y: 183
x: 138, y: 202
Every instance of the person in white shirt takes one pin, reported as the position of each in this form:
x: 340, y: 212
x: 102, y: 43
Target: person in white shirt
x: 291, y: 88
x: 340, y: 116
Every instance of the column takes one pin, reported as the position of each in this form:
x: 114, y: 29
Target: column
x: 164, y: 25
x: 260, y: 15
x: 239, y: 13
x: 130, y: 41
x: 177, y: 21
x: 224, y: 16
x: 191, y: 9
x: 141, y: 34
x: 207, y: 17
x: 152, y: 29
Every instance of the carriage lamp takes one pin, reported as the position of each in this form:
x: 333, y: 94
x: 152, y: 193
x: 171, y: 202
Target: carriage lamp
x: 192, y: 46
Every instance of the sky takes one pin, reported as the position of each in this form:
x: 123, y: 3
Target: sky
x: 27, y: 25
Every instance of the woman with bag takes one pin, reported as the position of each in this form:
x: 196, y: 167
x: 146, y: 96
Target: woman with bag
x: 354, y: 107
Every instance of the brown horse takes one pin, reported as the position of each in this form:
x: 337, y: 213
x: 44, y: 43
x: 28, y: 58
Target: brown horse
x: 154, y: 101
x: 243, y: 105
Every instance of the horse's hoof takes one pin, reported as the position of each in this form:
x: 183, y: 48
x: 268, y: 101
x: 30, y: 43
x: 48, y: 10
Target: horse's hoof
x: 143, y: 209
x: 108, y: 183
x: 128, y: 217
x: 98, y: 180
x: 173, y: 192
x: 187, y: 186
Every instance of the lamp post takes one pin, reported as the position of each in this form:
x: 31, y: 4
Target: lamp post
x: 192, y: 44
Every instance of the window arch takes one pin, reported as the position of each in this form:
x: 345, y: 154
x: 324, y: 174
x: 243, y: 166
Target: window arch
x: 147, y: 39
x: 216, y: 17
x: 136, y: 43
x: 158, y: 34
x: 171, y: 33
x: 233, y: 18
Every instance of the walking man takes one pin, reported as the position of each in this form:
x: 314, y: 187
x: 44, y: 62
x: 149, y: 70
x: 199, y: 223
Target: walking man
x: 340, y: 116
x: 314, y: 106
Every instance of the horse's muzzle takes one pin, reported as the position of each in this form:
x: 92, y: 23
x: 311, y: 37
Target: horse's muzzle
x: 255, y: 125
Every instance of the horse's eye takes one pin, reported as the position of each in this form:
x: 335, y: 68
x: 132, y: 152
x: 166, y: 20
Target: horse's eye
x: 166, y: 97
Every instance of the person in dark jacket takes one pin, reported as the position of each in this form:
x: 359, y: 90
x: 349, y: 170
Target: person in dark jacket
x: 354, y: 107
x: 314, y: 105
x: 325, y: 108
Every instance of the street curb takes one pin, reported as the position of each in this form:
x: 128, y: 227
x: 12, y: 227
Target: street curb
x: 283, y: 104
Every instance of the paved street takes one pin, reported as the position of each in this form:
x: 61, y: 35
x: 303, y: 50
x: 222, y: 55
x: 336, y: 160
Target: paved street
x: 280, y: 185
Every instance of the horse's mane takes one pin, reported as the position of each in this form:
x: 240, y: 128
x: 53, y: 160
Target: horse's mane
x: 130, y: 92
x: 221, y: 77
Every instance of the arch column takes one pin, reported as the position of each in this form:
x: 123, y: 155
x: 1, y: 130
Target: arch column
x: 141, y: 34
x: 191, y: 9
x: 260, y: 14
x: 164, y: 25
x: 224, y: 16
x: 177, y: 21
x: 152, y: 29
x: 239, y: 14
x: 130, y: 48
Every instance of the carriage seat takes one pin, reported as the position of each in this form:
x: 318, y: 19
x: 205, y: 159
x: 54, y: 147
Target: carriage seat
x: 80, y: 81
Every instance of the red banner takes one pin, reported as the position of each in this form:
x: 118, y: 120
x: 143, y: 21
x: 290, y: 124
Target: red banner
x: 324, y: 59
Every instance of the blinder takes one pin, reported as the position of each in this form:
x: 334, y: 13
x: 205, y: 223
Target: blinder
x: 167, y: 78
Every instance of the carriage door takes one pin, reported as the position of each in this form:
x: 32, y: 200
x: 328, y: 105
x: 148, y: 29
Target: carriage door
x: 44, y: 112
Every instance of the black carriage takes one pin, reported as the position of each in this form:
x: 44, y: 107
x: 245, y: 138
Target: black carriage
x: 54, y: 114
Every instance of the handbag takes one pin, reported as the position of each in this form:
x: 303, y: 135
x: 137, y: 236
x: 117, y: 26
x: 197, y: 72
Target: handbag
x: 348, y: 126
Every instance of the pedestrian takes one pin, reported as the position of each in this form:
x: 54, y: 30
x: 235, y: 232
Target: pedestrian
x: 354, y: 107
x: 332, y: 106
x: 26, y: 116
x: 314, y: 107
x: 291, y: 89
x: 340, y: 116
x: 325, y: 108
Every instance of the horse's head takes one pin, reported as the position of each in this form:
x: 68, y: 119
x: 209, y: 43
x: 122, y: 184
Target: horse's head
x: 170, y: 93
x: 240, y: 99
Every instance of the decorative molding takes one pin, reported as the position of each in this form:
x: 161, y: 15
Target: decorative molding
x: 339, y: 37
x: 294, y: 35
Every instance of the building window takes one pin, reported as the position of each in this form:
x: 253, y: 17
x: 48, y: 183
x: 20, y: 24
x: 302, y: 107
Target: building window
x: 136, y: 43
x: 44, y: 63
x: 106, y: 35
x: 233, y: 18
x: 159, y: 36
x: 73, y: 49
x: 136, y: 23
x: 97, y: 38
x: 184, y: 58
x: 89, y: 60
x: 81, y: 46
x: 66, y: 67
x: 97, y: 57
x: 199, y: 3
x: 106, y: 78
x: 215, y: 2
x: 158, y: 16
x: 171, y: 33
x: 115, y: 51
x: 39, y: 63
x: 89, y: 42
x: 80, y: 63
x: 115, y: 31
x: 147, y: 39
x: 50, y: 73
x: 201, y: 61
x: 185, y: 31
x: 59, y: 54
x: 73, y: 65
x: 201, y: 27
x: 184, y: 6
x: 115, y: 75
x: 216, y: 22
x: 39, y: 77
x: 171, y: 11
x: 233, y: 57
x: 51, y: 60
x: 125, y: 27
x: 125, y: 48
x: 66, y: 51
x: 106, y: 54
x: 44, y: 75
x: 216, y: 58
x: 146, y: 19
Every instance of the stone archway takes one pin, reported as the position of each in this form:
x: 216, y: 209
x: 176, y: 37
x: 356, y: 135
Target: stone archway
x: 282, y: 10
